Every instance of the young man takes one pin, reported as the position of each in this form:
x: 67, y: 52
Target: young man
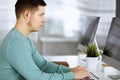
x: 20, y: 60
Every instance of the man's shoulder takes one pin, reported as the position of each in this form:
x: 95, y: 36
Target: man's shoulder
x: 14, y: 39
x: 13, y: 35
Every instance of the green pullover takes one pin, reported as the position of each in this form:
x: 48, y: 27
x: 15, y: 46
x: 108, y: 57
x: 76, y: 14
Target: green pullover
x: 20, y: 60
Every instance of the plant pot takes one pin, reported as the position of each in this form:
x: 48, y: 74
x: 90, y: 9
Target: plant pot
x: 92, y: 63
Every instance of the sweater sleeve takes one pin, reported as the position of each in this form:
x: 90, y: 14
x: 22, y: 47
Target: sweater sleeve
x: 48, y: 66
x: 20, y: 57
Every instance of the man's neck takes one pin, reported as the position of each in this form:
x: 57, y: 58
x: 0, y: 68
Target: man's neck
x: 22, y: 28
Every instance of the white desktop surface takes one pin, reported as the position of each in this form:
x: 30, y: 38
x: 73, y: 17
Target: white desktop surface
x: 74, y: 60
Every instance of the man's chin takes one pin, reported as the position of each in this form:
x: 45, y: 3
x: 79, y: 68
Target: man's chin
x: 35, y: 30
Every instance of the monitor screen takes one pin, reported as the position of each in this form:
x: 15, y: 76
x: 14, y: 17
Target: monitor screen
x: 91, y: 24
x: 112, y: 47
x: 113, y: 40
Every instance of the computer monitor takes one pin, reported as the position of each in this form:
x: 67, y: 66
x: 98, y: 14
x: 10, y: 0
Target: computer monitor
x: 112, y: 48
x: 91, y: 24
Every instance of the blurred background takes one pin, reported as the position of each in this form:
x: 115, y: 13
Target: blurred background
x: 66, y: 22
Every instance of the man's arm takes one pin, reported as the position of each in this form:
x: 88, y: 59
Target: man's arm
x: 46, y: 65
x: 49, y: 66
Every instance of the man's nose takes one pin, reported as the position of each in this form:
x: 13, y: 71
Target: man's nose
x: 44, y: 20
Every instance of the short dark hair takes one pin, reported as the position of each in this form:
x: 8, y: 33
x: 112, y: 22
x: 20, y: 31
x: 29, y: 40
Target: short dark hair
x: 21, y: 5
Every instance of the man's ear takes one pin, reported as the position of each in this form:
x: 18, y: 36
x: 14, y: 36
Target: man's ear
x: 26, y: 14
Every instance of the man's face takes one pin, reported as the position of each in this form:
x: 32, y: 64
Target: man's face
x: 37, y: 19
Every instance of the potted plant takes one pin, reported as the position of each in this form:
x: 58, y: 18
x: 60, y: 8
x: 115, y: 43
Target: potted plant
x: 92, y: 57
x: 92, y: 51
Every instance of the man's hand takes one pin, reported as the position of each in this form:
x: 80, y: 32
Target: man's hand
x: 80, y: 72
x: 78, y: 68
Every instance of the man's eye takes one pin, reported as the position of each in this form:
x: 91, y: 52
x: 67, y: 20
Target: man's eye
x: 41, y: 15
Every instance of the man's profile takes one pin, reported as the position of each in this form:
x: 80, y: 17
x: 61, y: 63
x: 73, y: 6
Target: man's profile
x: 19, y: 58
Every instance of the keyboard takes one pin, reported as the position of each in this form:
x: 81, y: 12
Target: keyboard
x: 87, y: 79
x: 93, y: 77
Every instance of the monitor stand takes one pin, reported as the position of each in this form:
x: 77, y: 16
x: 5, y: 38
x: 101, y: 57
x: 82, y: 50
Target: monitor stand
x: 114, y: 77
x: 96, y: 44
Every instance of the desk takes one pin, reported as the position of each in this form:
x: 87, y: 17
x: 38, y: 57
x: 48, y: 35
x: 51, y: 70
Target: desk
x: 74, y: 61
